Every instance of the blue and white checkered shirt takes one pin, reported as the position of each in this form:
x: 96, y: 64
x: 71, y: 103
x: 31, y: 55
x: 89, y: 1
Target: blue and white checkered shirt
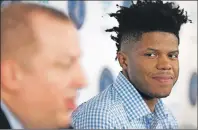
x: 120, y: 106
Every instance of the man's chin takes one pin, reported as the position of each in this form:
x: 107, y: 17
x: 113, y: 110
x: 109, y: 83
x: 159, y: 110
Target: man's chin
x: 161, y: 96
x: 162, y: 92
x: 64, y: 121
x: 150, y: 96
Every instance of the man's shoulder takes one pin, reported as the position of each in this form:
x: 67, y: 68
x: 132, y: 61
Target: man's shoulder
x: 169, y: 113
x: 95, y: 111
x: 171, y: 119
x: 4, y: 122
x: 171, y: 116
x: 103, y: 101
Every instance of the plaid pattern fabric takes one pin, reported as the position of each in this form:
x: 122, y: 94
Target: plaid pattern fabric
x: 120, y: 106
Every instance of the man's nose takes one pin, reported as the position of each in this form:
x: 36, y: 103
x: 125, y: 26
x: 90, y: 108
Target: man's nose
x: 164, y: 63
x: 79, y: 79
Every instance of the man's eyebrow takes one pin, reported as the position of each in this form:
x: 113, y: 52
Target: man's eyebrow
x: 152, y: 49
x: 69, y: 56
x: 175, y: 51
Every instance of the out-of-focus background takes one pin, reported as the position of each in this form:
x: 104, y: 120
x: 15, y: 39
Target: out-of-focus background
x: 99, y: 51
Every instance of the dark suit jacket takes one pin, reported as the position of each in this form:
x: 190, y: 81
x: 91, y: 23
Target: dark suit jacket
x: 3, y: 121
x: 4, y: 124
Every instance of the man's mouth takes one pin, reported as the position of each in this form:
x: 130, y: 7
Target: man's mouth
x: 164, y: 79
x: 70, y: 104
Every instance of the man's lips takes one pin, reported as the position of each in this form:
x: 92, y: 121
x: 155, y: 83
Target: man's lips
x: 70, y: 104
x: 164, y: 79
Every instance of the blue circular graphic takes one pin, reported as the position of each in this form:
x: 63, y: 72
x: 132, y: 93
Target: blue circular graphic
x: 7, y: 2
x: 127, y: 3
x: 193, y: 90
x: 77, y: 12
x: 106, y: 79
x: 106, y: 5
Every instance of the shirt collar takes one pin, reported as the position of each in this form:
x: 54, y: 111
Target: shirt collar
x: 133, y: 102
x: 13, y: 121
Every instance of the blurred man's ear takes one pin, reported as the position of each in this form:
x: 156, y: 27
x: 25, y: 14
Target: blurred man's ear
x: 122, y: 58
x: 10, y: 75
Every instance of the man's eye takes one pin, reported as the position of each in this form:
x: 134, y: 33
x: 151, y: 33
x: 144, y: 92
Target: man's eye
x: 174, y: 56
x: 66, y: 65
x: 63, y: 65
x: 150, y: 54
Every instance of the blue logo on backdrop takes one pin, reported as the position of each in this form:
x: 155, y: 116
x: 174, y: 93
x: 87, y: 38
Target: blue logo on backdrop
x: 193, y: 89
x: 127, y: 3
x: 7, y: 2
x: 106, y: 79
x: 106, y: 5
x: 77, y: 12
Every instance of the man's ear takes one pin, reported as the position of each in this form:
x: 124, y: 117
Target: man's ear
x: 123, y: 60
x: 10, y: 75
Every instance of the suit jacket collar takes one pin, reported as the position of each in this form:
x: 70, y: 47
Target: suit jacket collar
x: 4, y: 122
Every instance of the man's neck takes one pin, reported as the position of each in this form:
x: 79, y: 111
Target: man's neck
x: 148, y: 100
x: 151, y: 103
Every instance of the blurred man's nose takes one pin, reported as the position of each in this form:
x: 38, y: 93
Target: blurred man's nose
x: 79, y: 78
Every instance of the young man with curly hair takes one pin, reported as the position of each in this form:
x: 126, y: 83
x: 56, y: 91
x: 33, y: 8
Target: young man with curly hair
x: 147, y: 41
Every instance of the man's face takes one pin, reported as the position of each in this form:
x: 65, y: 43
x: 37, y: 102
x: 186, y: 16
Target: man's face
x: 153, y: 65
x: 49, y: 91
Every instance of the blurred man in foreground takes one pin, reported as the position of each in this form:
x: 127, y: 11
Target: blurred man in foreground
x: 147, y: 41
x: 40, y: 67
